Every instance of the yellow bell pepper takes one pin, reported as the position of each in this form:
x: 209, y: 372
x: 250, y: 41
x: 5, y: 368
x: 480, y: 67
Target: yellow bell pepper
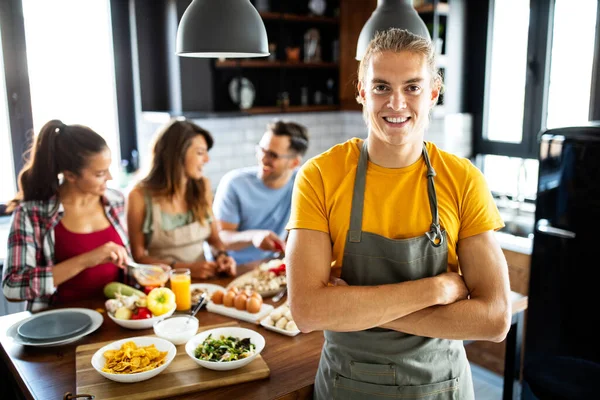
x: 160, y: 300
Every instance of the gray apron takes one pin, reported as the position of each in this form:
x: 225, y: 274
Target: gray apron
x: 380, y: 363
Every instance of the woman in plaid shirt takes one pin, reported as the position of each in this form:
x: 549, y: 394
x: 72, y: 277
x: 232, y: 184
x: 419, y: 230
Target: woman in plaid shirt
x: 66, y: 238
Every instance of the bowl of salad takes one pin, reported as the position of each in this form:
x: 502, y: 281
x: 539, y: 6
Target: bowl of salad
x: 224, y: 349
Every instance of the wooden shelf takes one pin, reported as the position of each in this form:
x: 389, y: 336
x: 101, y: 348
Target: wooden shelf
x: 291, y: 109
x: 272, y: 64
x: 298, y: 18
x: 442, y: 9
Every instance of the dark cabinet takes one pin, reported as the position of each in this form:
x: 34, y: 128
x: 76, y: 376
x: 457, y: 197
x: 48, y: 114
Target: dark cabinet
x: 312, y: 66
x: 302, y: 72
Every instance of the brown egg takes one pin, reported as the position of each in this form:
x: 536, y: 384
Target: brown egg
x: 240, y: 301
x: 234, y: 289
x: 257, y: 295
x: 217, y: 297
x: 253, y: 305
x: 228, y: 299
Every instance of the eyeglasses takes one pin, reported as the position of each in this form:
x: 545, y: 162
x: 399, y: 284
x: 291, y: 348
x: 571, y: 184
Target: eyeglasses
x: 271, y: 155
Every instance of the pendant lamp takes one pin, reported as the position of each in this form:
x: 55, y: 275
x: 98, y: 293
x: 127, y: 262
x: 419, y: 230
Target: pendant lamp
x: 391, y: 14
x: 221, y: 29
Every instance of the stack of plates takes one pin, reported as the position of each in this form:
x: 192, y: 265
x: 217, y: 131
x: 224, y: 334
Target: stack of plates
x: 55, y: 327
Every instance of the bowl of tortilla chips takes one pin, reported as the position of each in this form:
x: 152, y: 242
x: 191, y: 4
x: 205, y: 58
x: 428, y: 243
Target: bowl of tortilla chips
x: 134, y: 359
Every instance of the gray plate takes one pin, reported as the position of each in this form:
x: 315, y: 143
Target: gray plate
x: 54, y: 326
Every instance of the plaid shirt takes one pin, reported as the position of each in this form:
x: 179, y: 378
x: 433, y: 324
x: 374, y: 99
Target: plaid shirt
x: 27, y: 272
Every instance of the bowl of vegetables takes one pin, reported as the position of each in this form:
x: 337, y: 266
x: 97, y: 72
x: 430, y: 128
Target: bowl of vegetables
x: 140, y: 311
x: 224, y: 349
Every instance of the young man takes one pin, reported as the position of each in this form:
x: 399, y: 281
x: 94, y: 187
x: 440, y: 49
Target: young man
x: 377, y: 230
x: 252, y: 205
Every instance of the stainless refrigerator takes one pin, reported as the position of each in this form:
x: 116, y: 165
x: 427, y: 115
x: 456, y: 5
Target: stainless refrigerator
x: 562, y: 334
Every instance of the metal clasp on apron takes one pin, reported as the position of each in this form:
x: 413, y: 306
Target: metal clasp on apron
x: 435, y: 235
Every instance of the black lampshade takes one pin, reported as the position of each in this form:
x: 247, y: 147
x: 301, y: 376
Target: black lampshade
x: 391, y: 14
x: 221, y: 29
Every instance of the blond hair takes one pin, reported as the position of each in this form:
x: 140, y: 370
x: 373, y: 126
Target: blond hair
x: 397, y: 40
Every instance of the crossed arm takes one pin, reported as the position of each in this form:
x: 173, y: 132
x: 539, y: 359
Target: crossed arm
x: 433, y: 307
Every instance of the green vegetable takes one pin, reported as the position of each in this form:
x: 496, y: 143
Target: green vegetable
x: 111, y: 290
x: 224, y: 349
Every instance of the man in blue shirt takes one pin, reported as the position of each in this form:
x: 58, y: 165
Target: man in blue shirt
x: 252, y: 204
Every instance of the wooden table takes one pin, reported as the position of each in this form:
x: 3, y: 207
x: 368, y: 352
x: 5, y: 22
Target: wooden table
x: 49, y: 373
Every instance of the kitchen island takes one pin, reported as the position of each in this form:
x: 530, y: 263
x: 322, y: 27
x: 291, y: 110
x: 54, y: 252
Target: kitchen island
x: 49, y: 372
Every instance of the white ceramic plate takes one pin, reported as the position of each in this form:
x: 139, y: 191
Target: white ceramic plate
x: 279, y: 330
x: 233, y: 312
x: 209, y: 287
x: 256, y: 338
x: 276, y: 329
x: 98, y: 359
x: 246, y: 278
x: 140, y: 323
x: 96, y: 317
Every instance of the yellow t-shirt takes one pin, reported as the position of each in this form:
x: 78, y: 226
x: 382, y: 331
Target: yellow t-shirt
x: 396, y: 203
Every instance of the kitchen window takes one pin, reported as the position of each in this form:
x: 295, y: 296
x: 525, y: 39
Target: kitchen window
x: 71, y: 69
x: 68, y: 60
x: 539, y: 75
x: 7, y: 176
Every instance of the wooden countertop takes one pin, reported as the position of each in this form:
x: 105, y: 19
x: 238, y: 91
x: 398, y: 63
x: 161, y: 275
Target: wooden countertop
x: 49, y: 373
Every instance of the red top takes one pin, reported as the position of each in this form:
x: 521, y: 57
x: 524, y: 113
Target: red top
x: 91, y: 281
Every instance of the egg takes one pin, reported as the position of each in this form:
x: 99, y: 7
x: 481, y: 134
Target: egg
x: 229, y: 298
x: 217, y: 297
x: 276, y: 314
x: 288, y: 314
x: 253, y: 305
x: 268, y: 321
x: 256, y: 295
x: 240, y: 301
x: 291, y: 326
x: 281, y: 323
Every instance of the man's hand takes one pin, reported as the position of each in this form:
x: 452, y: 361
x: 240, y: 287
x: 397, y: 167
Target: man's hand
x: 453, y: 287
x: 268, y: 241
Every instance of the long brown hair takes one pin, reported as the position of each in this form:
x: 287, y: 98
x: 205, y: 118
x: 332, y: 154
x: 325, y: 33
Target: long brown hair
x: 57, y: 148
x: 168, y: 157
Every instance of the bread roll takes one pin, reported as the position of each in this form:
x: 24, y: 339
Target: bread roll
x: 291, y: 326
x: 281, y: 323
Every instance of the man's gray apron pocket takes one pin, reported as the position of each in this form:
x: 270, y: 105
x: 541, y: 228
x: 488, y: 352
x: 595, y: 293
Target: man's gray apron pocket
x: 378, y: 374
x: 350, y: 389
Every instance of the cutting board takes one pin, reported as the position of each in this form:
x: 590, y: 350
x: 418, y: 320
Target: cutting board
x: 182, y: 376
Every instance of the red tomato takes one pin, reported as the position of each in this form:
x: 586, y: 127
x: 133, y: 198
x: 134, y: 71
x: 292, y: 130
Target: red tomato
x: 141, y: 313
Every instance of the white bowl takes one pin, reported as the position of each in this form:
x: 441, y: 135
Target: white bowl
x: 256, y: 338
x: 177, y: 329
x: 98, y: 359
x: 141, y: 323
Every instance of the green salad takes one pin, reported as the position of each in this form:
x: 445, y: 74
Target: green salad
x: 224, y: 349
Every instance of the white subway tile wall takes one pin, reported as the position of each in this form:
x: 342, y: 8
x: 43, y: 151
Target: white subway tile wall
x: 236, y: 137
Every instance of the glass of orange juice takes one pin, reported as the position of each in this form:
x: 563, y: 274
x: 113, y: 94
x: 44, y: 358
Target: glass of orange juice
x: 181, y: 281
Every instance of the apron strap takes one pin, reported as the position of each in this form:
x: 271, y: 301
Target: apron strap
x: 358, y: 196
x: 435, y: 232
